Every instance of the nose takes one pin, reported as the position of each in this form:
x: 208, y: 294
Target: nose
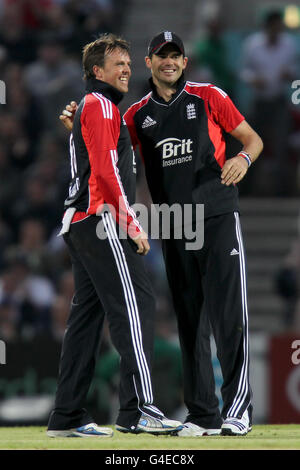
x: 168, y: 61
x: 127, y: 69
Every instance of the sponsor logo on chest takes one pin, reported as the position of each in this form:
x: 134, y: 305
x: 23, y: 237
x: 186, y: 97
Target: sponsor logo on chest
x: 172, y: 147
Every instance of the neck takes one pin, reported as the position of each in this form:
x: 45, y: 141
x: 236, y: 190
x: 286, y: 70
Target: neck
x: 94, y: 84
x: 165, y: 90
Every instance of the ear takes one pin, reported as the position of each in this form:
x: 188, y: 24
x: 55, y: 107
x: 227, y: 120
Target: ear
x: 148, y: 62
x: 98, y: 72
x: 185, y: 61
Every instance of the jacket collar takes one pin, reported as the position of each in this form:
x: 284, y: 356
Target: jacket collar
x: 98, y: 86
x: 179, y: 87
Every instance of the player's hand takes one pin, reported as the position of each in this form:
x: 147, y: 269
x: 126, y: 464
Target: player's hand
x: 234, y: 170
x: 142, y: 243
x: 67, y: 116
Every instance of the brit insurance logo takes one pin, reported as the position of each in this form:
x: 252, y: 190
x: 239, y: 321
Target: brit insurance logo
x: 175, y: 151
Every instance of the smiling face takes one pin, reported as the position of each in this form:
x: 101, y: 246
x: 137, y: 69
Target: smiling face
x: 166, y: 66
x: 116, y: 70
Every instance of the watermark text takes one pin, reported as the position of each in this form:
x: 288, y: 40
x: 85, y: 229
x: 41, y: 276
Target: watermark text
x: 2, y: 92
x: 2, y: 352
x: 162, y: 221
x: 296, y: 354
x: 296, y: 94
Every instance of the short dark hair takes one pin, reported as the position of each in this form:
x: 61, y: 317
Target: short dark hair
x: 273, y: 16
x: 94, y: 53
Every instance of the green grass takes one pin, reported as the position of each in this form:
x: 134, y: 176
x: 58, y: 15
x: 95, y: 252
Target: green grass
x: 271, y: 437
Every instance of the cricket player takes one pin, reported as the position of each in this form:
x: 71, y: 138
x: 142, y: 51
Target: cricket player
x: 109, y: 273
x: 179, y: 128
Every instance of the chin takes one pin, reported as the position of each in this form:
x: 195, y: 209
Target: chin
x: 170, y: 80
x: 122, y: 89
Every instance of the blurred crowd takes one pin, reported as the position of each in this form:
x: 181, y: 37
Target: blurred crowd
x: 40, y: 63
x: 287, y: 282
x: 257, y: 70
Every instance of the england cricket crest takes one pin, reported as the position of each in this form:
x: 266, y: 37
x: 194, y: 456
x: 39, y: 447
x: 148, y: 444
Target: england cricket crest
x: 190, y: 111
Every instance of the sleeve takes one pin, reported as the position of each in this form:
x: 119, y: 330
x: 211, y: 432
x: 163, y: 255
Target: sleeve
x: 128, y: 117
x: 129, y: 120
x: 101, y: 129
x: 222, y: 109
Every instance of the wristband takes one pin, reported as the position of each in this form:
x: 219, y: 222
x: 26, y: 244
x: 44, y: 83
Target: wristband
x: 246, y: 156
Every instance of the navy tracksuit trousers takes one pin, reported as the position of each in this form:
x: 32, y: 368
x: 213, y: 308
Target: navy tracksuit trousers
x: 210, y: 295
x: 110, y: 279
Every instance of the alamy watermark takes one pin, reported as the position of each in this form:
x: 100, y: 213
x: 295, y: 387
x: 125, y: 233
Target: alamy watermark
x: 296, y: 94
x: 2, y: 352
x: 296, y: 354
x: 161, y: 221
x: 2, y: 92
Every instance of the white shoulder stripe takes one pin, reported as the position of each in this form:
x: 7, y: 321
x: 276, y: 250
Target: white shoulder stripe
x: 109, y: 108
x: 222, y: 92
x: 102, y: 105
x: 106, y: 105
x: 195, y: 84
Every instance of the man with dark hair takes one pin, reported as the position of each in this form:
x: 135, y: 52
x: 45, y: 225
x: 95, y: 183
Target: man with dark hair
x: 109, y: 274
x: 208, y: 285
x: 179, y: 127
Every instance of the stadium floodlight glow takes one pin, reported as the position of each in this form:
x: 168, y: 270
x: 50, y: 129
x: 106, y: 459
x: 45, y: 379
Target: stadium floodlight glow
x: 291, y: 17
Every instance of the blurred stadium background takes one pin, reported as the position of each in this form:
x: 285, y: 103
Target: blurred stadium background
x: 40, y: 48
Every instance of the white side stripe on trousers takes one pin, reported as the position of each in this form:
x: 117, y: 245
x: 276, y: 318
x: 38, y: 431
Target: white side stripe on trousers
x: 132, y: 307
x: 146, y: 407
x: 243, y: 386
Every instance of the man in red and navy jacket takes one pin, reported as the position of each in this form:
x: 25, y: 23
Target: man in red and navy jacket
x: 102, y: 159
x: 109, y: 273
